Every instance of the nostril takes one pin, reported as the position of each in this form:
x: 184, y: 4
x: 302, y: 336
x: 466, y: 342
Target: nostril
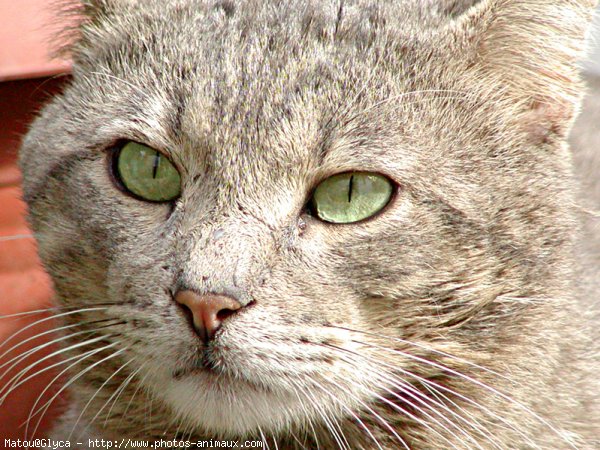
x: 186, y: 311
x: 207, y: 311
x: 225, y: 313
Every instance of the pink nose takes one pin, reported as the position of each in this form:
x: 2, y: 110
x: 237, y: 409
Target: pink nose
x: 208, y: 311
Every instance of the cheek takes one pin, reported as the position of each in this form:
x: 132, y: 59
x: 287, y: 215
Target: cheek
x: 141, y: 286
x: 308, y: 291
x: 141, y: 275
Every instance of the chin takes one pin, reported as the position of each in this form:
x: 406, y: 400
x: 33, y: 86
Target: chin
x: 231, y: 390
x: 228, y: 407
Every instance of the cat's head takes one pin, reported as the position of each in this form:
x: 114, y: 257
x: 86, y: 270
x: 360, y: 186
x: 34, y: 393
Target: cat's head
x: 445, y: 133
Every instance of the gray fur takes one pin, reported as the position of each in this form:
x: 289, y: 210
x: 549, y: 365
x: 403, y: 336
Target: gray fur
x: 468, y: 280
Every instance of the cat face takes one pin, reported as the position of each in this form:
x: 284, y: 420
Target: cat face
x: 255, y: 106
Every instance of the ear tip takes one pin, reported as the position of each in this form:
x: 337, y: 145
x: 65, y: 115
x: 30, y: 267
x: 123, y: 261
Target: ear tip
x: 542, y: 37
x: 528, y: 51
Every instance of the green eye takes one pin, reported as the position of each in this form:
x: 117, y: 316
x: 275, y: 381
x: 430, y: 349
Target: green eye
x: 147, y: 173
x: 351, y: 197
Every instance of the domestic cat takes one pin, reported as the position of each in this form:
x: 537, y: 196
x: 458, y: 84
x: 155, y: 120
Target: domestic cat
x: 320, y: 224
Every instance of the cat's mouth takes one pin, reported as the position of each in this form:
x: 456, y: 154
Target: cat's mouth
x: 202, y: 365
x: 210, y: 366
x: 206, y: 361
x: 217, y: 379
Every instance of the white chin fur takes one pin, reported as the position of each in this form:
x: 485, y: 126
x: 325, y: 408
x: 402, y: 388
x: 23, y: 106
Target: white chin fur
x: 232, y: 407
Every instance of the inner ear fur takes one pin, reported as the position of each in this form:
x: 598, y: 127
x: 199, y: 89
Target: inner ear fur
x: 528, y: 51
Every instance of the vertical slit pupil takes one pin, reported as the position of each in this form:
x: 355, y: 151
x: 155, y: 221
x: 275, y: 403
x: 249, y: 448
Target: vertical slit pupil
x: 156, y: 162
x: 350, y: 187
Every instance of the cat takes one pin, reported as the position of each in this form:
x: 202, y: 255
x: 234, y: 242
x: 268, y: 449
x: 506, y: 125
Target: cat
x: 320, y: 224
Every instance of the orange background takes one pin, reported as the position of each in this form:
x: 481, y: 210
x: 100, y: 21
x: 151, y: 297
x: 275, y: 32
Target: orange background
x: 27, y: 28
x: 24, y: 286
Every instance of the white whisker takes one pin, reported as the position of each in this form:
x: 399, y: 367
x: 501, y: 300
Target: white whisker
x: 16, y: 380
x: 349, y: 411
x: 307, y: 415
x: 264, y: 440
x: 45, y: 319
x: 16, y: 237
x: 476, y: 382
x: 462, y: 397
x: 133, y: 395
x: 428, y: 349
x: 84, y: 409
x: 408, y: 389
x: 79, y: 358
x: 46, y: 406
x: 37, y: 336
x: 340, y: 439
x: 121, y: 389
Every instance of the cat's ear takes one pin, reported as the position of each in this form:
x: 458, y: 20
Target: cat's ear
x: 529, y: 50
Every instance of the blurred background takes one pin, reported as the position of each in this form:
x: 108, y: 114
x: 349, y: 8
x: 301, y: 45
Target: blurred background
x: 28, y: 78
x: 592, y: 64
